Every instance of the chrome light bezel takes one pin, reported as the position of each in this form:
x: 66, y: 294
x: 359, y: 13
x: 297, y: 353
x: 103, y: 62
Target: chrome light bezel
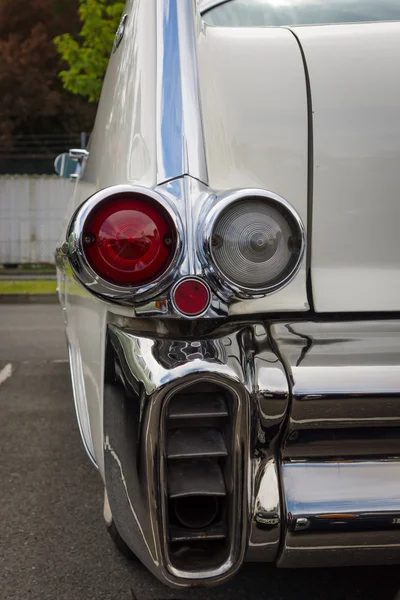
x: 229, y: 289
x: 128, y: 295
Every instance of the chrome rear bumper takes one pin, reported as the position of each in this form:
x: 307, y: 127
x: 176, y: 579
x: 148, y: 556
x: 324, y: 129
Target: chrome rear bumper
x: 313, y: 465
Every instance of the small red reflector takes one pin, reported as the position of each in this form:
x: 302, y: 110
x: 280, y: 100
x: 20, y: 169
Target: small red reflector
x: 129, y: 240
x: 191, y: 297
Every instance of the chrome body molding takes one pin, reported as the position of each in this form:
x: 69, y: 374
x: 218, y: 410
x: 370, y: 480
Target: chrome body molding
x: 81, y: 409
x: 147, y: 372
x: 180, y: 140
x: 345, y: 387
x: 119, y: 36
x: 341, y: 513
x: 331, y: 497
x: 341, y: 450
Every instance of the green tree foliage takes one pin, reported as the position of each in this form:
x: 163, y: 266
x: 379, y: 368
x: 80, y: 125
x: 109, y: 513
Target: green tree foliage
x: 88, y: 56
x: 32, y: 99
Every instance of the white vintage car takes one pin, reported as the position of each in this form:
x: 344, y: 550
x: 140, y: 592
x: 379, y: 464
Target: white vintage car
x: 230, y: 277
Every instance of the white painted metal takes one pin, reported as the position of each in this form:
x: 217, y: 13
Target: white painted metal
x: 254, y: 104
x: 123, y: 143
x: 31, y: 215
x: 355, y: 86
x: 123, y: 150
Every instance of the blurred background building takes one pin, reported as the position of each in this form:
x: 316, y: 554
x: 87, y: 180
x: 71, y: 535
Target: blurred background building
x: 40, y: 118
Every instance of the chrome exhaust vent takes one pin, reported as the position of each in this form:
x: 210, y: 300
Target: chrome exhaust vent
x: 195, y: 478
x: 199, y: 428
x: 194, y: 442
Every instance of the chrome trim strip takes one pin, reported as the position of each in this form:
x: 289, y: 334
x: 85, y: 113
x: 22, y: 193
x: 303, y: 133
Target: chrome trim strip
x: 341, y: 449
x: 341, y: 513
x: 345, y: 377
x: 210, y: 213
x: 180, y: 139
x: 120, y: 33
x: 78, y: 392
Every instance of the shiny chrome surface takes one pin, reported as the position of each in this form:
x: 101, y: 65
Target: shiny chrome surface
x: 193, y: 209
x: 341, y: 449
x: 238, y: 518
x: 120, y: 33
x: 240, y: 360
x: 271, y: 404
x: 81, y: 409
x: 341, y: 513
x: 160, y: 139
x: 183, y: 199
x: 211, y: 211
x: 345, y: 378
x: 87, y: 276
x: 267, y: 515
x: 180, y: 143
x: 79, y: 154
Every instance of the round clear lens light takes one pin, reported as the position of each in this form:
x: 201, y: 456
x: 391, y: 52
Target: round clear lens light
x: 256, y: 243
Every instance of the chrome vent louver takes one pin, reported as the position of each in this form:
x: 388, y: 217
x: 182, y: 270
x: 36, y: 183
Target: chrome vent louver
x: 197, y: 458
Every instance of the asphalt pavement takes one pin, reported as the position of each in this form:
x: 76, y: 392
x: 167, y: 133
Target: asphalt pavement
x: 53, y: 543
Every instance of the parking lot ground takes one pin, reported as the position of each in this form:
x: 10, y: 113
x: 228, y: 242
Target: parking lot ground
x: 53, y: 543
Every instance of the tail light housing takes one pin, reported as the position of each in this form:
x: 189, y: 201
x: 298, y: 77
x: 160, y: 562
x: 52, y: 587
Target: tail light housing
x: 254, y: 243
x: 123, y: 243
x: 126, y: 244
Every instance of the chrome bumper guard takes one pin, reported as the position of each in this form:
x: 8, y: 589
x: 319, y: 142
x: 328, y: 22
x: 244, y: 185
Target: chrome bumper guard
x: 314, y: 454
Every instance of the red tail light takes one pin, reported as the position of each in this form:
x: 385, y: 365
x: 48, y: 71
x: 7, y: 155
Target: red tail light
x: 191, y: 297
x: 129, y: 240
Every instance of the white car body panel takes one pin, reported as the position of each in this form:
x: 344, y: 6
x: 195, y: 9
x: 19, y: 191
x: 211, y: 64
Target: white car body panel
x: 119, y: 133
x: 254, y: 104
x: 355, y: 88
x: 86, y: 337
x: 123, y: 144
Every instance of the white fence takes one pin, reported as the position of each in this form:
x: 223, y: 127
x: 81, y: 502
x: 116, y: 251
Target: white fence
x: 31, y: 216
